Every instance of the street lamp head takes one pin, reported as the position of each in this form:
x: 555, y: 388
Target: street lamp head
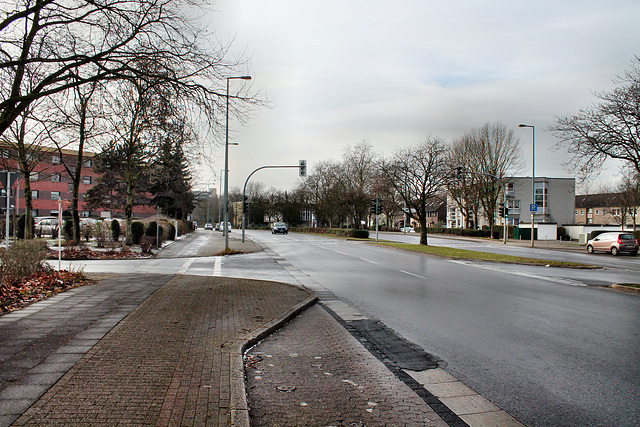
x: 245, y: 77
x: 524, y: 126
x: 239, y: 78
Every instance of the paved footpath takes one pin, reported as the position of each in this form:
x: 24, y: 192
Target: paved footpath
x: 176, y: 359
x: 314, y: 373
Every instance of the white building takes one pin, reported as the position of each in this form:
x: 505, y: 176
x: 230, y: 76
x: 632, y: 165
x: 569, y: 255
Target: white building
x: 554, y: 201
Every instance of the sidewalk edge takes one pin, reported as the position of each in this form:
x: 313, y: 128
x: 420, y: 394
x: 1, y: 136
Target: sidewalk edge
x: 239, y: 407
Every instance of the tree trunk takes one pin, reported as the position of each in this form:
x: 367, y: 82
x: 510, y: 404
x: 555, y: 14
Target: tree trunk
x: 128, y: 212
x: 28, y: 204
x: 423, y: 231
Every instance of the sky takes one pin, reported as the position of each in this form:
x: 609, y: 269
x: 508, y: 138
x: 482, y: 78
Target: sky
x: 337, y: 73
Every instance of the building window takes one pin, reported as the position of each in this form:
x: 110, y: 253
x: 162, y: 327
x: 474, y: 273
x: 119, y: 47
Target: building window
x: 581, y: 213
x: 84, y: 214
x: 86, y: 180
x: 542, y: 189
x: 576, y: 213
x: 55, y: 159
x: 54, y: 213
x: 55, y: 177
x: 55, y: 195
x: 87, y: 163
x: 4, y: 154
x: 597, y: 211
x: 34, y: 176
x: 34, y: 194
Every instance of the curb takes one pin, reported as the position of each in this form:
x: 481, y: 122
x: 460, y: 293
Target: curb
x: 624, y: 287
x: 239, y: 407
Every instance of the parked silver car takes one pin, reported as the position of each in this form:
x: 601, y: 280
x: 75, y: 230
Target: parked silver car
x: 614, y: 242
x: 46, y: 225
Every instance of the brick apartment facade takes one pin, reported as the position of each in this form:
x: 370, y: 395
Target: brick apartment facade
x: 50, y: 181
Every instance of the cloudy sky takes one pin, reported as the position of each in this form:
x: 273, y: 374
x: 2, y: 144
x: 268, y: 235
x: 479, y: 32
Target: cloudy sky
x: 393, y: 72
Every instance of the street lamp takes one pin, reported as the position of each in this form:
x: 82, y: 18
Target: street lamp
x: 226, y: 167
x: 533, y: 174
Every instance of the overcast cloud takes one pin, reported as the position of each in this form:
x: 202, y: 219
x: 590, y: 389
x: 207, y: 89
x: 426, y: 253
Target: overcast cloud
x: 393, y: 72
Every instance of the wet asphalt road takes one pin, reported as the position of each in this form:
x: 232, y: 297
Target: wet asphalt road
x: 548, y: 349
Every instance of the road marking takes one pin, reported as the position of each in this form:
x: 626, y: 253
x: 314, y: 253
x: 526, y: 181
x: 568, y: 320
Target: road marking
x: 368, y: 260
x: 185, y: 266
x: 217, y: 266
x: 413, y: 274
x: 563, y: 281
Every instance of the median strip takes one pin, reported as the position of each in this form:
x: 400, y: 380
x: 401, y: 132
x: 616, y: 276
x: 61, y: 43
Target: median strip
x: 454, y: 253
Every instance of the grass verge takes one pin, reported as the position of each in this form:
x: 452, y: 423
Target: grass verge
x: 454, y: 253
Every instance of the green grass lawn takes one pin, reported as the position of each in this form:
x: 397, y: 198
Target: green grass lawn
x: 482, y: 256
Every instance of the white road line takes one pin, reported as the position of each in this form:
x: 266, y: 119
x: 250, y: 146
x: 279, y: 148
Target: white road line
x: 368, y: 260
x: 217, y: 266
x: 185, y: 266
x: 569, y: 282
x: 413, y: 274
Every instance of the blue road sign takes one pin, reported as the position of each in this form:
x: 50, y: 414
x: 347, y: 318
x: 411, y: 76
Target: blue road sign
x: 533, y: 207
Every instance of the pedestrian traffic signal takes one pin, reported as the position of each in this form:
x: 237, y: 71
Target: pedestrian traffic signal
x: 506, y: 212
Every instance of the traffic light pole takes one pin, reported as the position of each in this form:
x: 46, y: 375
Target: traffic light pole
x: 504, y: 196
x: 244, y: 189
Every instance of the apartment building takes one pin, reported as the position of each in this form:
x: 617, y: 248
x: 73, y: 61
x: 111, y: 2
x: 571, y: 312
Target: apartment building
x: 554, y: 202
x: 50, y: 182
x: 604, y: 209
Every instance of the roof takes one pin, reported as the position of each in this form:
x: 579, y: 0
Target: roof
x: 605, y: 200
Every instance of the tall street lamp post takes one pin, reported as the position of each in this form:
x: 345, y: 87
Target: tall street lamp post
x: 533, y: 175
x: 226, y: 167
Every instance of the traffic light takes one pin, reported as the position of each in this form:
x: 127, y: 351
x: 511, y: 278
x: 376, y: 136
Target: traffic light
x: 376, y: 206
x: 506, y: 212
x: 303, y: 167
x: 459, y: 172
x: 502, y: 210
x: 245, y: 204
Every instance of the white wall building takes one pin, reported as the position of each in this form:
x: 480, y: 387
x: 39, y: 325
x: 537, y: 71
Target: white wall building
x: 554, y: 200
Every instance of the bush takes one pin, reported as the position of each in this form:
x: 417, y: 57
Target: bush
x: 147, y: 243
x: 137, y: 231
x: 115, y: 230
x: 359, y: 234
x: 102, y: 234
x: 24, y: 258
x: 171, y: 232
x: 152, y: 229
x: 68, y: 229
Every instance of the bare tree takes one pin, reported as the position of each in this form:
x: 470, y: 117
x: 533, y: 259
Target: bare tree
x: 629, y: 190
x: 50, y: 46
x: 76, y: 122
x: 321, y: 193
x: 464, y: 190
x: 418, y: 174
x: 608, y: 129
x: 359, y: 167
x: 27, y: 138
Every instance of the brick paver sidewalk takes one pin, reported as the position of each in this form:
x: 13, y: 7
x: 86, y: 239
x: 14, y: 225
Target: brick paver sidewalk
x: 170, y: 361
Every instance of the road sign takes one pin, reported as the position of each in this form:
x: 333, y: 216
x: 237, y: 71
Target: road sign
x: 533, y: 207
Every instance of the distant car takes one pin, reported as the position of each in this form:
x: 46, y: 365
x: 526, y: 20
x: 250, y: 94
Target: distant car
x: 208, y: 226
x: 46, y: 226
x: 614, y: 242
x: 279, y: 227
x: 407, y: 230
